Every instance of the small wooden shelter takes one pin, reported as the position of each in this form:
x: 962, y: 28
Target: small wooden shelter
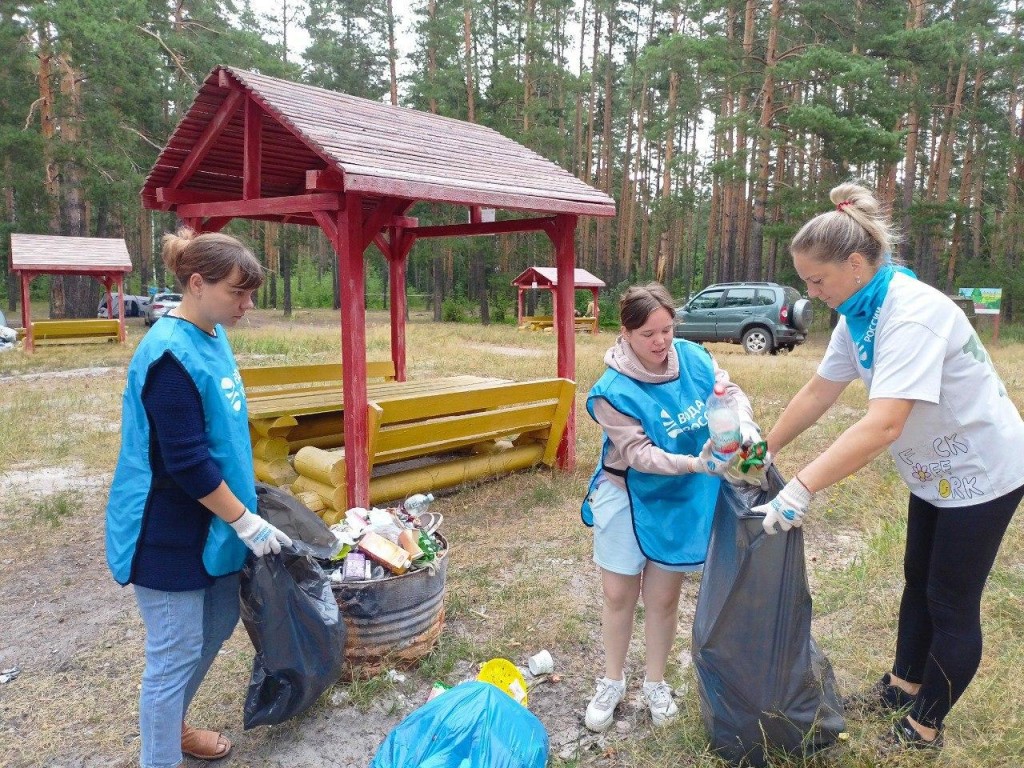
x: 257, y: 147
x: 104, y: 258
x: 546, y: 278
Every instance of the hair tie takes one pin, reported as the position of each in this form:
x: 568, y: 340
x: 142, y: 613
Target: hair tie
x: 843, y: 204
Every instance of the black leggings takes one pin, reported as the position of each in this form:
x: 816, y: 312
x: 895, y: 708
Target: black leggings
x: 950, y: 552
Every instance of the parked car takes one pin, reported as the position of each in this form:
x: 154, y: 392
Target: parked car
x: 134, y: 306
x: 763, y: 317
x: 160, y: 305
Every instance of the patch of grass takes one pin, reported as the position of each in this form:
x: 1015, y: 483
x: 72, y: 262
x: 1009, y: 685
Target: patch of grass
x: 52, y: 510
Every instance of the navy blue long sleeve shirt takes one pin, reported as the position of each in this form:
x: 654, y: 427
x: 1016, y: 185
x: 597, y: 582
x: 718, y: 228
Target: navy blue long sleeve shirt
x: 175, y: 524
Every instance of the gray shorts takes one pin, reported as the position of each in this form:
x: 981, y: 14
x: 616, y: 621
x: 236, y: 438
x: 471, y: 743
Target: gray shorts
x: 615, y: 545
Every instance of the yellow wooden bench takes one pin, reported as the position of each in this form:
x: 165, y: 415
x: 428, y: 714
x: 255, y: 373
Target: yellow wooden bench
x: 278, y: 398
x: 488, y: 430
x: 547, y: 323
x: 275, y: 380
x: 281, y: 424
x: 74, y: 331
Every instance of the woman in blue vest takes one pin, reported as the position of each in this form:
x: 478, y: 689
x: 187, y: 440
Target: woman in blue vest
x: 179, y: 525
x: 653, y: 494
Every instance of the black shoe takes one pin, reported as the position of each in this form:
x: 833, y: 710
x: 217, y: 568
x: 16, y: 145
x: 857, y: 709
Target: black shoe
x: 880, y: 698
x: 905, y: 735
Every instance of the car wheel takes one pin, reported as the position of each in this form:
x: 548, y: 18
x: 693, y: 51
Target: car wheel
x: 757, y: 341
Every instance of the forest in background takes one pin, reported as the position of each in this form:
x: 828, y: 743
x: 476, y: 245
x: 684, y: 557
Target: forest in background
x: 719, y: 127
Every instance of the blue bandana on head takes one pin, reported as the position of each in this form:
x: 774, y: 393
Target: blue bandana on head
x: 861, y: 310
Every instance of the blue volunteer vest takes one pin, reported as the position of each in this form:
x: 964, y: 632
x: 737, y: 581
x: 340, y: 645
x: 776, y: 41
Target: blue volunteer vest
x: 211, y: 364
x: 671, y: 513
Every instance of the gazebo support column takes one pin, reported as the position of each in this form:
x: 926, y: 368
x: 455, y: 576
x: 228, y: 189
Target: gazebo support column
x: 597, y: 311
x: 122, y: 331
x: 398, y: 255
x: 562, y: 235
x: 347, y: 238
x: 26, y: 311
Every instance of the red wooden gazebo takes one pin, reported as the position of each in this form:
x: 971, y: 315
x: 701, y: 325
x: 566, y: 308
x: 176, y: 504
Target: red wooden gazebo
x: 104, y: 258
x: 257, y: 147
x: 546, y: 278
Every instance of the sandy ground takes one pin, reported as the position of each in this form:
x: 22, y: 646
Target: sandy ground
x: 66, y: 625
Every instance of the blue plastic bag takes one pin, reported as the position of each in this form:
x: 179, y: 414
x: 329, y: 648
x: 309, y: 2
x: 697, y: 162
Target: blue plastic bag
x: 473, y: 725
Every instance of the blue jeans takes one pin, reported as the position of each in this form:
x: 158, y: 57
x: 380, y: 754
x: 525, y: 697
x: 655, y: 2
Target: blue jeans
x: 184, y: 632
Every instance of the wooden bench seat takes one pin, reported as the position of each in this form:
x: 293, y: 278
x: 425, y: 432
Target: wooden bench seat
x: 281, y: 421
x: 277, y: 380
x: 491, y: 429
x: 547, y: 323
x: 290, y: 406
x: 75, y: 331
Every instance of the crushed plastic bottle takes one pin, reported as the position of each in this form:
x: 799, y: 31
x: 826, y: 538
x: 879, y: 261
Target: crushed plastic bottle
x: 417, y: 504
x: 723, y: 423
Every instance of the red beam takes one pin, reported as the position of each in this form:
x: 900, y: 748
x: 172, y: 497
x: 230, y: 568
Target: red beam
x: 208, y: 138
x: 379, y: 218
x: 485, y: 228
x: 323, y: 201
x: 326, y: 180
x: 168, y: 197
x: 327, y: 224
x: 252, y: 151
x: 565, y: 327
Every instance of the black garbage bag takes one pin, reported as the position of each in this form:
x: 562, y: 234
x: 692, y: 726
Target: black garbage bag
x: 287, y: 513
x: 765, y: 686
x: 292, y: 619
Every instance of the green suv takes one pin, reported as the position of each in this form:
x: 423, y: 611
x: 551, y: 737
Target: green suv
x: 763, y: 317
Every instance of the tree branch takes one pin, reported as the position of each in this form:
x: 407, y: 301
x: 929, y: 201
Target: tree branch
x: 172, y: 54
x: 143, y: 136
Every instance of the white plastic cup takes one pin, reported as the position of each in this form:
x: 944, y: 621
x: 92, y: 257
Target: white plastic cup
x: 541, y: 663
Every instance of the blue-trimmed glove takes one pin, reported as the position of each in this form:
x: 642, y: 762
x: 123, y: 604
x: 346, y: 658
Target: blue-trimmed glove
x: 786, y: 510
x: 259, y: 535
x: 709, y: 464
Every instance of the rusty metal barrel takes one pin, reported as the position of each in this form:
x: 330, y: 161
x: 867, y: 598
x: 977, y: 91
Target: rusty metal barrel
x: 392, y: 622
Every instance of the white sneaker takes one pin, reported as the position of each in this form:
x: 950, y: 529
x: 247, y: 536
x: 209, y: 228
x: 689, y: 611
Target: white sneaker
x: 659, y: 699
x: 602, y: 707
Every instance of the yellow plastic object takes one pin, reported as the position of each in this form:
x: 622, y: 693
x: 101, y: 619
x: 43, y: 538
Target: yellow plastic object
x: 505, y: 675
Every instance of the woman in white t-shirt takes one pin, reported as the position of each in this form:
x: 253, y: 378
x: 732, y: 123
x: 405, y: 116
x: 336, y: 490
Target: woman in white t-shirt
x: 936, y: 402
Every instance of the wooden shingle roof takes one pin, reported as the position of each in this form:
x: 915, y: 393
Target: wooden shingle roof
x: 547, y: 277
x: 376, y: 149
x: 77, y: 255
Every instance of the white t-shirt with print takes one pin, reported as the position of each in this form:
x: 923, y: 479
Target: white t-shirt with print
x: 962, y: 441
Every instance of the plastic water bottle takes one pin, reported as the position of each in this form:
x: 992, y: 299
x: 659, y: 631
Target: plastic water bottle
x: 723, y: 423
x: 417, y: 504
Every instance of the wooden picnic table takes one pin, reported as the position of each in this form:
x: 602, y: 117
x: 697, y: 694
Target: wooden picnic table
x: 331, y: 400
x: 281, y: 424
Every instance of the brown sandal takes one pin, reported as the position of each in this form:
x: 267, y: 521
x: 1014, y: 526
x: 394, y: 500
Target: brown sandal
x: 204, y: 745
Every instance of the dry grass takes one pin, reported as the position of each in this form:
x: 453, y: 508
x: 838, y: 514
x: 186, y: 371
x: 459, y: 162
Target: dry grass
x: 520, y: 577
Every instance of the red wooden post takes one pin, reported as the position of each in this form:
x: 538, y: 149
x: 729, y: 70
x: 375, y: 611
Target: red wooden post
x: 26, y: 311
x: 122, y: 332
x: 519, y: 291
x: 565, y: 326
x: 352, y: 271
x: 398, y: 260
x: 252, y: 150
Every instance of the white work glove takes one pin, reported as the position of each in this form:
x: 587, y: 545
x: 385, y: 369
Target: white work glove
x: 259, y: 535
x: 786, y: 510
x: 709, y: 464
